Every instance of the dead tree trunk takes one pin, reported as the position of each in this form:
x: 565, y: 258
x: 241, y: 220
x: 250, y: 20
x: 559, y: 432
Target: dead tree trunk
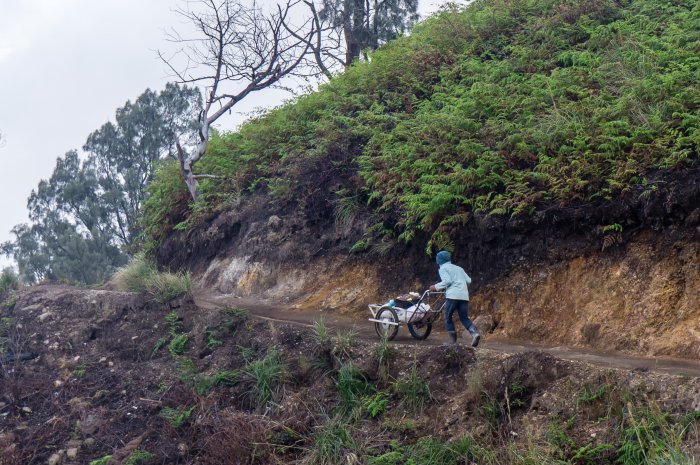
x: 240, y: 49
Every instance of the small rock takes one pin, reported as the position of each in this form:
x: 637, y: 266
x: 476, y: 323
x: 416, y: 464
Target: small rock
x: 26, y: 409
x: 44, y: 316
x: 55, y: 459
x: 110, y: 364
x: 182, y: 448
x: 57, y: 383
x: 72, y: 453
x: 133, y: 338
x: 485, y: 323
x: 76, y: 358
x: 74, y: 443
x: 274, y: 222
x: 90, y: 424
x: 103, y: 359
x: 89, y: 442
x: 593, y: 435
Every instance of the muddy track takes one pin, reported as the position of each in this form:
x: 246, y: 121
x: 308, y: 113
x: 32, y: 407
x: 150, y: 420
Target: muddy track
x: 338, y: 321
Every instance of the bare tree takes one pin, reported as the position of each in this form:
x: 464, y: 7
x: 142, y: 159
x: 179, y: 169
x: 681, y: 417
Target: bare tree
x: 240, y: 49
x: 326, y: 42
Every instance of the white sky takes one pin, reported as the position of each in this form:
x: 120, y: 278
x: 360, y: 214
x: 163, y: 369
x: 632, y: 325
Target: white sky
x: 65, y: 67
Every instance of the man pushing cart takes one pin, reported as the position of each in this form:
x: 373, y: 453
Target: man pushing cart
x: 418, y: 312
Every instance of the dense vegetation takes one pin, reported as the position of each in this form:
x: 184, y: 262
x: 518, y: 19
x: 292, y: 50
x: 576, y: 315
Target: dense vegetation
x: 503, y: 107
x: 85, y: 219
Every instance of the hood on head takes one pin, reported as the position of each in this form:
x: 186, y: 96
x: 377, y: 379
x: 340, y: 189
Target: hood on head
x: 443, y: 257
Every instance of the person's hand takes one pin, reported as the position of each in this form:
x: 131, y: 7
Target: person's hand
x: 432, y: 288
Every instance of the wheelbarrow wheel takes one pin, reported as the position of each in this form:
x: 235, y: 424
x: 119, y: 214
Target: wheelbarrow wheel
x: 388, y: 315
x: 420, y: 331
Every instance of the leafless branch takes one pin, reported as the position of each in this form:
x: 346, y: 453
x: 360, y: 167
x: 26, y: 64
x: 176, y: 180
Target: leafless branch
x: 239, y: 49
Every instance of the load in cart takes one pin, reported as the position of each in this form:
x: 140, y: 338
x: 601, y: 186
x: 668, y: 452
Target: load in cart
x: 417, y: 311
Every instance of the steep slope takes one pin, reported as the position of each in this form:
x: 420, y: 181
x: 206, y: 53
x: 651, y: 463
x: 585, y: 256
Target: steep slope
x: 119, y: 379
x: 553, y: 145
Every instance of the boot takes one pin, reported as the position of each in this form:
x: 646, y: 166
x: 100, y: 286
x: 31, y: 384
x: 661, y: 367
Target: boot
x: 475, y: 335
x: 453, y: 337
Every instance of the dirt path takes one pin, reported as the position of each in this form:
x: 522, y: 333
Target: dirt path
x: 338, y: 321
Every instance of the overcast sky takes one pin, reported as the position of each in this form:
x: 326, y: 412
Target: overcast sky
x: 65, y: 67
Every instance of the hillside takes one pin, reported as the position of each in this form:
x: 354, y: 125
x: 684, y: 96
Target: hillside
x: 552, y: 145
x: 118, y: 379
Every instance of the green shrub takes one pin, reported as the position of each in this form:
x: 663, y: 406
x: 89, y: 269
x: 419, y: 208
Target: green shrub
x: 204, y: 383
x: 494, y: 108
x: 177, y: 417
x: 265, y: 377
x: 212, y: 341
x: 140, y: 275
x: 384, y: 353
x: 321, y: 335
x: 376, y: 405
x: 178, y: 344
x: 9, y: 280
x: 135, y: 276
x: 352, y: 386
x: 428, y: 451
x: 10, y: 301
x: 332, y: 442
x: 139, y: 456
x: 413, y: 390
x: 174, y: 323
x: 80, y: 371
x: 6, y: 325
x: 344, y: 342
x: 102, y: 461
x: 649, y: 437
x: 166, y: 202
x: 165, y: 287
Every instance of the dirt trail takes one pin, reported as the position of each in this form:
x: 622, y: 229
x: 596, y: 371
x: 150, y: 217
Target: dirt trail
x: 338, y: 321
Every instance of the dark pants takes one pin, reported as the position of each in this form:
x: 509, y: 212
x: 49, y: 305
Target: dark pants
x: 462, y: 307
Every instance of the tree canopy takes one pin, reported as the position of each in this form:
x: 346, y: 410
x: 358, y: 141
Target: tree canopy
x: 85, y: 219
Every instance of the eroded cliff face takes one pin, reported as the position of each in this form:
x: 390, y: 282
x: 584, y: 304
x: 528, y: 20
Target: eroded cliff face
x: 615, y: 275
x: 643, y: 297
x: 640, y: 297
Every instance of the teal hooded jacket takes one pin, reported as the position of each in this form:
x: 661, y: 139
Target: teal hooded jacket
x: 454, y: 279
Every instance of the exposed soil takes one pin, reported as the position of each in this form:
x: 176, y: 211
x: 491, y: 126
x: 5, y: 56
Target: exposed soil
x: 102, y: 384
x: 491, y: 341
x: 556, y: 277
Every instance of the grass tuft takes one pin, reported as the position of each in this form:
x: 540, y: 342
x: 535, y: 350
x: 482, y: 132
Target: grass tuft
x: 413, y: 390
x: 265, y: 376
x: 352, y: 386
x: 332, y: 443
x: 140, y: 275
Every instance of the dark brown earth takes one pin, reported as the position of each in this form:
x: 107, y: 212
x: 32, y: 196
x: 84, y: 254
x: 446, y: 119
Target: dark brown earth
x: 342, y: 322
x: 103, y: 385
